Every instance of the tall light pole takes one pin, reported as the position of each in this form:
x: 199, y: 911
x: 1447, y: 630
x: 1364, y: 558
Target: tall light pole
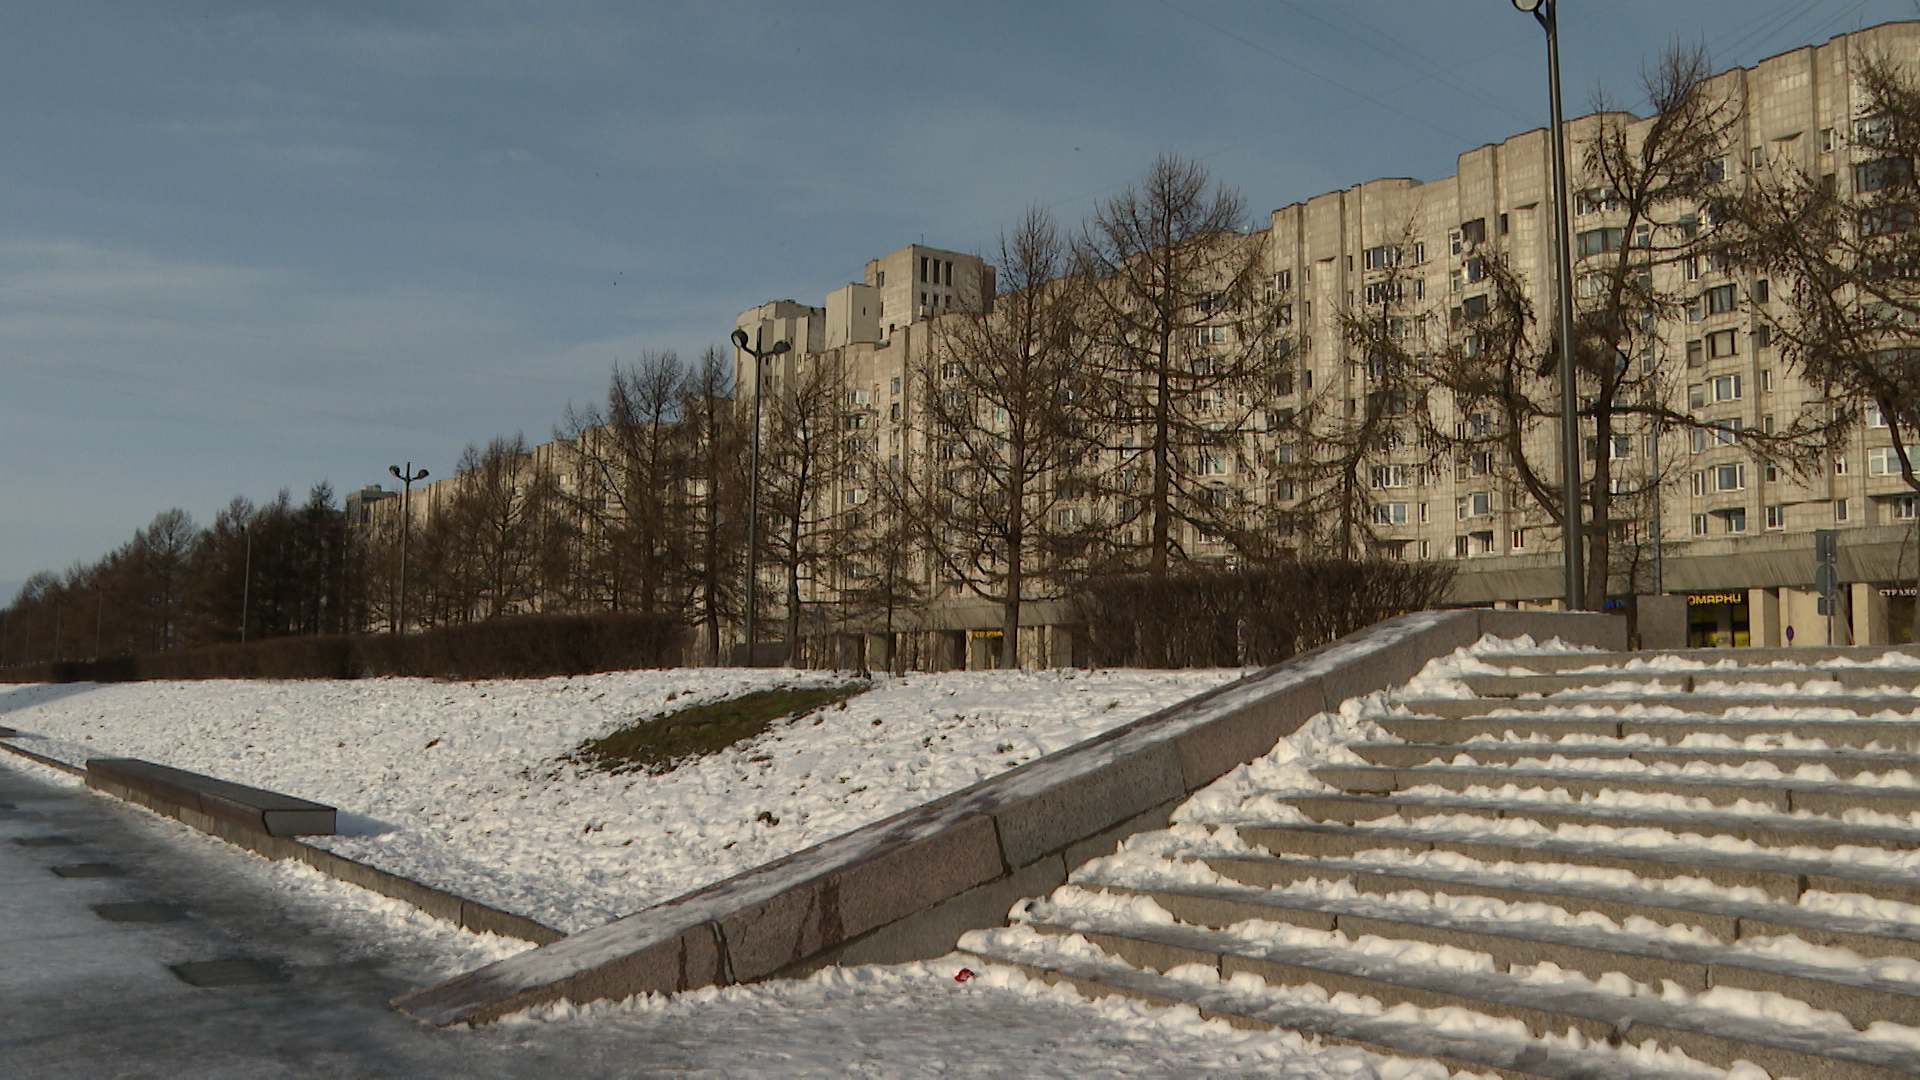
x: 406, y: 526
x: 1544, y: 13
x: 246, y: 581
x: 753, y: 478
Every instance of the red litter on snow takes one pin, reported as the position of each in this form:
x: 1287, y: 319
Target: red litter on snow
x: 964, y: 974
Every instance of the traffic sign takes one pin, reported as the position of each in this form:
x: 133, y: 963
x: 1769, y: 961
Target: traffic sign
x: 1826, y: 579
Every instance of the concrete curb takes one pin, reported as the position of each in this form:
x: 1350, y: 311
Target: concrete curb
x: 905, y: 888
x: 475, y: 916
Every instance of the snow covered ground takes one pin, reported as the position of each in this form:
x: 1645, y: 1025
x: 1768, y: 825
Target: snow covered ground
x: 87, y: 998
x: 459, y: 784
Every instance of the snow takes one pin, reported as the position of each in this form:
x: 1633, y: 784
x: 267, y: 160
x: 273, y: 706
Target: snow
x: 1492, y: 808
x: 457, y: 784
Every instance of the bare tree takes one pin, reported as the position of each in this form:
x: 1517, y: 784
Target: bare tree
x: 805, y: 454
x: 629, y: 467
x: 500, y: 513
x: 715, y: 508
x: 1183, y: 333
x: 1848, y: 253
x: 1006, y: 397
x: 165, y: 549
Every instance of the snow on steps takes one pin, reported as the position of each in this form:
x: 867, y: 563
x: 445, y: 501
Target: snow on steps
x: 905, y: 888
x: 1580, y: 887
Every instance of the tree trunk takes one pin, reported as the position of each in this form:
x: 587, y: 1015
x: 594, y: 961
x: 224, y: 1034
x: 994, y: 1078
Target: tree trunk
x: 1158, y: 555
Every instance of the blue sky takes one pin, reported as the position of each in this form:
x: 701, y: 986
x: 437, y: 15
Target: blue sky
x: 245, y: 248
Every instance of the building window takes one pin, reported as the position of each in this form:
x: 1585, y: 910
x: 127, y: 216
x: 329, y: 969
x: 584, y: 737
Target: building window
x: 1696, y: 352
x: 1699, y: 485
x: 1777, y: 516
x: 1726, y: 387
x: 1697, y: 440
x: 1882, y: 461
x: 1390, y: 513
x: 1726, y: 432
x: 1840, y: 465
x: 1721, y: 343
x: 893, y: 412
x: 1475, y: 231
x: 1380, y: 258
x: 1477, y: 504
x: 1839, y: 509
x: 1737, y: 520
x: 1599, y: 241
x: 1699, y: 524
x: 1392, y: 476
x: 1622, y: 447
x: 1730, y: 478
x: 1766, y: 380
x: 1519, y: 539
x: 896, y: 384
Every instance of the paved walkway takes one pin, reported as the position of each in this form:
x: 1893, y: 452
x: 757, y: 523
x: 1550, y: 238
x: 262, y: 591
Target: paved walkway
x: 82, y: 996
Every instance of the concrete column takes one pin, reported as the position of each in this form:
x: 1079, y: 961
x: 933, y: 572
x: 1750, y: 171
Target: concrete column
x: 1799, y: 609
x: 1763, y: 617
x: 879, y: 653
x: 1663, y: 622
x: 1059, y: 646
x: 1869, y: 614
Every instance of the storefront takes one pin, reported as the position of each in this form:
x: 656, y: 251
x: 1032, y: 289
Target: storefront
x: 1900, y: 603
x: 1718, y: 620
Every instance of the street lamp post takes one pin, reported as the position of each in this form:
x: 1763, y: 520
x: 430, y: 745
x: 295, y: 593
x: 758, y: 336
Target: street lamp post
x: 246, y: 581
x: 753, y: 478
x: 1544, y: 12
x: 406, y: 526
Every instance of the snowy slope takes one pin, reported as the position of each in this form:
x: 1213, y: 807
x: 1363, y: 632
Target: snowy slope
x: 458, y: 784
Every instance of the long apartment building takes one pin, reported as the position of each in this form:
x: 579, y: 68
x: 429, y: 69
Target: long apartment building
x: 1729, y: 537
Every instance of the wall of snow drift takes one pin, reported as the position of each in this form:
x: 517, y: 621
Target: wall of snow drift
x: 907, y: 887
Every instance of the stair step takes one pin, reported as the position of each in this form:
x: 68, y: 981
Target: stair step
x: 1420, y: 1035
x: 1895, y: 735
x: 1655, y: 661
x: 1762, y: 829
x: 1727, y: 918
x: 1690, y: 704
x: 1784, y: 795
x: 1827, y: 680
x: 1693, y: 966
x: 1718, y: 1037
x: 1844, y: 762
x: 1781, y: 875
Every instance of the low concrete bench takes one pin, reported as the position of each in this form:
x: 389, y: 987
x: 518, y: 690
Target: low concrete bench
x: 250, y: 808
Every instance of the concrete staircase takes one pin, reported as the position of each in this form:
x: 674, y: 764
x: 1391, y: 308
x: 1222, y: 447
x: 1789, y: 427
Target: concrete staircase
x: 1563, y: 865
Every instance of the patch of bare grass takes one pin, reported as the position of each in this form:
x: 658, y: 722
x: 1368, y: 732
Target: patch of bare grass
x: 666, y: 741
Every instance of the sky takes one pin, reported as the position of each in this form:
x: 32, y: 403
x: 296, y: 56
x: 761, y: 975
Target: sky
x: 251, y: 247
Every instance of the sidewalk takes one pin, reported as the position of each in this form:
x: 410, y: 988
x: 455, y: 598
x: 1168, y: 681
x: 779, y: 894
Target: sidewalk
x: 81, y: 996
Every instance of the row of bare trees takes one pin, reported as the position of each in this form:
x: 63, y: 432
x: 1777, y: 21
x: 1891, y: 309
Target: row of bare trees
x: 257, y: 571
